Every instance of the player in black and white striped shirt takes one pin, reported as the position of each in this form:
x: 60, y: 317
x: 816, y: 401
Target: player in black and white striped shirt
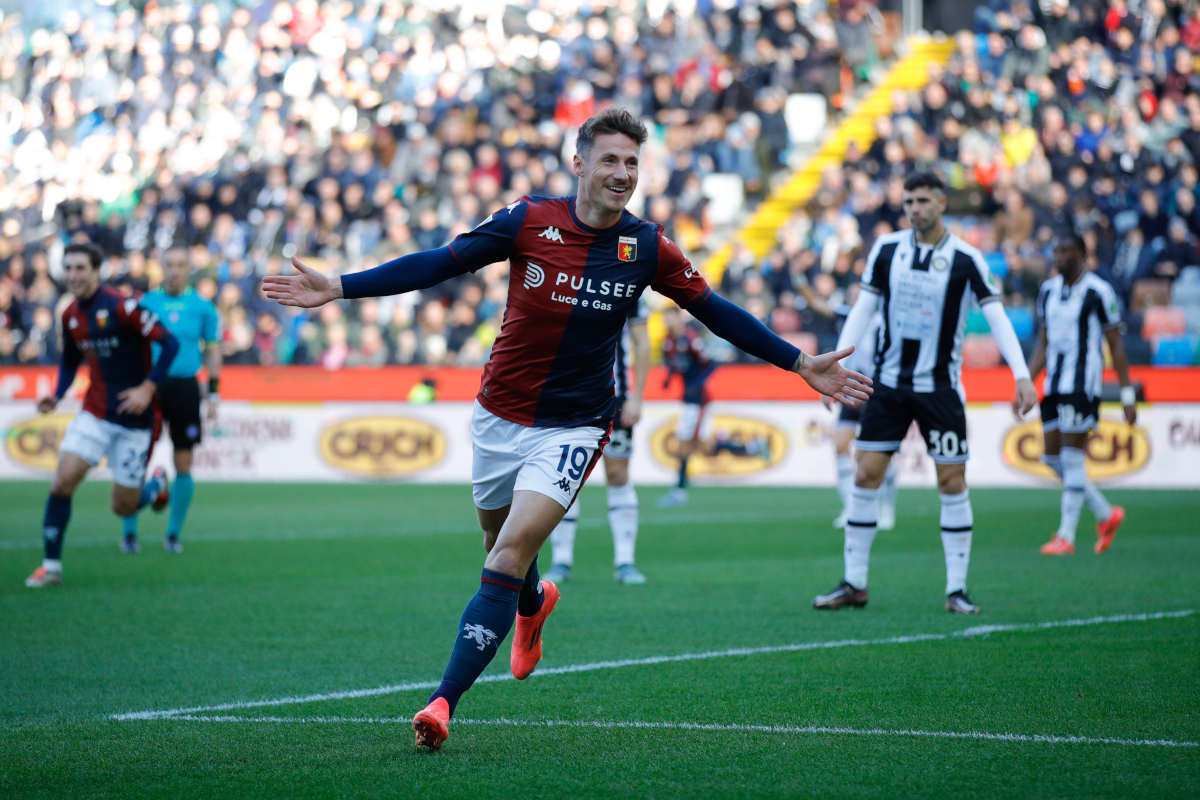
x: 1077, y: 312
x: 924, y: 281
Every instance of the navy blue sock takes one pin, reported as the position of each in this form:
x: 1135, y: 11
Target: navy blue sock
x: 54, y: 525
x: 530, y: 601
x: 683, y: 472
x: 486, y: 621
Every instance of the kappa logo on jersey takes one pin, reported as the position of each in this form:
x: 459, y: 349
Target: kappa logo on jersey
x: 73, y: 324
x: 482, y: 636
x: 534, y: 275
x: 627, y: 248
x: 551, y: 234
x: 564, y: 484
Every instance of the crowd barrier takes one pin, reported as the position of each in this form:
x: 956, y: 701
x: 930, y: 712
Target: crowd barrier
x: 300, y: 430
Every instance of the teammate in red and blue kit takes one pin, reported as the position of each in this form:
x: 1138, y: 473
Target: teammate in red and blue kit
x: 545, y: 404
x: 120, y: 417
x: 683, y: 355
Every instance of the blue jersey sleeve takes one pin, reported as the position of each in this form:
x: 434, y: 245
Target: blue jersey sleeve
x: 491, y: 240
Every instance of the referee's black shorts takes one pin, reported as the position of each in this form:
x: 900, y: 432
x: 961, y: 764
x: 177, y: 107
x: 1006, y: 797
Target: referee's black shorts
x: 179, y: 399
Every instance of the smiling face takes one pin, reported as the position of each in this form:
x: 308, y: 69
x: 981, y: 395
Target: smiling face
x: 608, y: 173
x: 81, y: 277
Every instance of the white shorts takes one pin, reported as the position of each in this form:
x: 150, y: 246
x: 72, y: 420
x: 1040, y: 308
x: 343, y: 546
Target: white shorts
x: 693, y: 424
x: 509, y: 457
x: 128, y: 449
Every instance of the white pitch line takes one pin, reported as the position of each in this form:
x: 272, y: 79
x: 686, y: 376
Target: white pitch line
x: 697, y: 726
x: 570, y: 669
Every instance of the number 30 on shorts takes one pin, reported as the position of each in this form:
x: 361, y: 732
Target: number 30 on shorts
x: 578, y: 461
x: 947, y: 444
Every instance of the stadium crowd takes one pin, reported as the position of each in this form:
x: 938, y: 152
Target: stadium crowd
x: 349, y: 133
x: 1051, y: 118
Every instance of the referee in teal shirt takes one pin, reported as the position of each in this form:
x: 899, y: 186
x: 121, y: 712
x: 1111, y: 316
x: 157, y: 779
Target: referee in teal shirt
x: 193, y: 321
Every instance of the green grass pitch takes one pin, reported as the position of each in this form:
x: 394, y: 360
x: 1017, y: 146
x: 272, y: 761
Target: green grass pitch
x: 290, y: 590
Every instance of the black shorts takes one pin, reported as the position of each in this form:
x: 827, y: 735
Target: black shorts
x: 620, y: 441
x: 1070, y: 413
x: 941, y: 416
x: 179, y: 399
x: 850, y: 415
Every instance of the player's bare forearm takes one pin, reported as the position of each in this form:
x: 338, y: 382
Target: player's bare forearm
x: 213, y: 360
x: 1037, y: 361
x: 641, y: 360
x: 1116, y: 346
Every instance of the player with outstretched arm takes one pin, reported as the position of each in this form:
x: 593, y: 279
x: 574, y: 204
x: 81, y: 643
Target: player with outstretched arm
x: 544, y: 408
x: 923, y: 280
x: 120, y: 417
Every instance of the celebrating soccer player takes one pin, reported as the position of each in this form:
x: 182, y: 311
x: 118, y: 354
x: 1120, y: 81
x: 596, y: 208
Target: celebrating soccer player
x: 633, y: 355
x: 120, y: 417
x: 683, y: 353
x: 545, y: 403
x: 1077, y: 311
x: 192, y: 320
x: 924, y: 279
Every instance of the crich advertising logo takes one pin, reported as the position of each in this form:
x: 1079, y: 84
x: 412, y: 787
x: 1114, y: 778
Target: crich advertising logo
x: 733, y: 446
x: 1113, y: 449
x: 383, y: 446
x: 34, y: 442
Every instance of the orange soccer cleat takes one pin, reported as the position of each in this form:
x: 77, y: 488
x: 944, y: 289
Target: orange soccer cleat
x: 1058, y: 546
x: 527, y: 641
x: 1105, y: 531
x: 432, y: 724
x: 43, y: 577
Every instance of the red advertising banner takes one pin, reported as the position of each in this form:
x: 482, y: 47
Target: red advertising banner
x: 731, y: 382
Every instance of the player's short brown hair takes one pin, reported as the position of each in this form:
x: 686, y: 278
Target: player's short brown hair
x: 94, y: 254
x: 610, y: 120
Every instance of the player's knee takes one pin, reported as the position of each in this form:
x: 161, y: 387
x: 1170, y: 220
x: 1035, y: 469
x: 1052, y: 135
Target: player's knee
x: 489, y: 540
x: 952, y: 483
x: 123, y: 506
x: 869, y: 474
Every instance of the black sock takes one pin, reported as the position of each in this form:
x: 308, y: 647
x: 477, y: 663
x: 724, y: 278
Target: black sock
x: 530, y: 601
x: 683, y: 482
x: 54, y: 525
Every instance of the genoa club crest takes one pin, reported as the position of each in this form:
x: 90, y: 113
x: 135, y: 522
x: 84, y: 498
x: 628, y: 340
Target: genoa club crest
x: 627, y: 248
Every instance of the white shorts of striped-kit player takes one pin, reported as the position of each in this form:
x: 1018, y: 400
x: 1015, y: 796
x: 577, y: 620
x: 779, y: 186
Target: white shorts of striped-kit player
x: 507, y: 457
x: 128, y: 449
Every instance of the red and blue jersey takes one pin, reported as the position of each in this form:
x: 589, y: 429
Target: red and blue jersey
x: 684, y: 355
x: 571, y: 289
x: 113, y: 334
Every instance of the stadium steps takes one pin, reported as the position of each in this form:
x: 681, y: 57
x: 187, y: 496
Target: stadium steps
x: 858, y: 126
